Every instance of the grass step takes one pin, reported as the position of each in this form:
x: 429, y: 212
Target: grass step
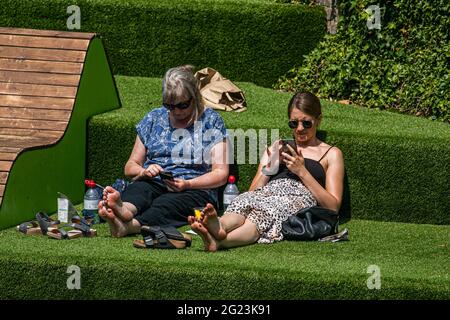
x: 413, y: 261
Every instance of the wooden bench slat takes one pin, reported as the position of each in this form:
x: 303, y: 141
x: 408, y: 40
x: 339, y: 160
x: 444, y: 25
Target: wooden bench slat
x: 10, y: 150
x: 33, y: 124
x: 71, y: 80
x: 25, y: 142
x: 5, y: 165
x: 40, y: 90
x: 43, y: 42
x: 34, y: 133
x: 48, y: 33
x: 7, y: 157
x: 34, y: 114
x: 36, y: 102
x: 42, y: 54
x: 3, y: 177
x: 41, y: 66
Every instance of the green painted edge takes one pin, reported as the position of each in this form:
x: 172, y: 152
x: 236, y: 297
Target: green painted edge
x: 38, y: 174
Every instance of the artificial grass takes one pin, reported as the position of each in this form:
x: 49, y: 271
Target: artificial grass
x: 413, y: 261
x: 398, y: 166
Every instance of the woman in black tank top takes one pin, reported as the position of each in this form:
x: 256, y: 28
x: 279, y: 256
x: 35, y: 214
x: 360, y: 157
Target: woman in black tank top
x: 290, y: 177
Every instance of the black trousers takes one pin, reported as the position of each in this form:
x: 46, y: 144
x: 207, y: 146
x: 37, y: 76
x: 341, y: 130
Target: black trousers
x: 156, y: 206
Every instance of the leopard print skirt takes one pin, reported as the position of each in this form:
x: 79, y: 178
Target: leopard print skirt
x: 267, y: 207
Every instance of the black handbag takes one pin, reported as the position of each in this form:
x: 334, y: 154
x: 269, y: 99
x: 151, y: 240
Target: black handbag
x: 310, y: 224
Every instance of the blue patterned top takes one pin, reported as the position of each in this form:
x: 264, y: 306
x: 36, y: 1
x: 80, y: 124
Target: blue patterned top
x: 184, y: 152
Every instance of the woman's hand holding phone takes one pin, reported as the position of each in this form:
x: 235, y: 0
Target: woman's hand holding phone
x: 294, y: 160
x: 177, y: 185
x: 285, y: 149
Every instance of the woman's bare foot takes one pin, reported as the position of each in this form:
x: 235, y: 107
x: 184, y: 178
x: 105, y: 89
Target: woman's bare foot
x: 210, y: 243
x: 212, y: 222
x: 112, y: 200
x: 191, y: 219
x: 116, y: 226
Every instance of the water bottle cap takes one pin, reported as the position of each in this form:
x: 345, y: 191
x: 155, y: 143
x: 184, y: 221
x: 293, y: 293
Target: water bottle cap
x: 89, y: 183
x: 231, y: 179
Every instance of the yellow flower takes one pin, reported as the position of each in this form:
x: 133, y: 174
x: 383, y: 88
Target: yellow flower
x: 198, y: 214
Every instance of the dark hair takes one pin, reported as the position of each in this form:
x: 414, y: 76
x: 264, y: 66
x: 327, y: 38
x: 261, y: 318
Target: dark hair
x: 307, y: 103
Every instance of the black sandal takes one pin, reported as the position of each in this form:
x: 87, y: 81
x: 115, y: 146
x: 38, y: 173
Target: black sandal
x: 166, y: 237
x: 39, y: 227
x: 80, y: 228
x: 45, y: 222
x: 29, y: 228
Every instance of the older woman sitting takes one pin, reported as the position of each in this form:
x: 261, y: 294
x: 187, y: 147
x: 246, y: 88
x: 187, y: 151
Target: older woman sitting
x: 182, y: 138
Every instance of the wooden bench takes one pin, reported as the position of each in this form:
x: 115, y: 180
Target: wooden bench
x: 48, y: 80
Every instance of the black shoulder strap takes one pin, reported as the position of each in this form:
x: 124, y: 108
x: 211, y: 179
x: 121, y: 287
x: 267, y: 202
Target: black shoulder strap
x: 325, y: 153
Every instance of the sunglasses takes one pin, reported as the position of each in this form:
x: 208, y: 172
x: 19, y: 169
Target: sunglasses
x: 307, y: 124
x: 181, y: 105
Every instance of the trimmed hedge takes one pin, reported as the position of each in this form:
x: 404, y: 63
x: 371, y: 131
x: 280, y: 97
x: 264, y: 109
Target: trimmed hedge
x: 413, y: 260
x: 403, y: 66
x: 245, y: 40
x: 398, y: 166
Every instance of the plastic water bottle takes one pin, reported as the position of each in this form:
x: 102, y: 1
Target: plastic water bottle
x: 231, y: 191
x: 91, y: 200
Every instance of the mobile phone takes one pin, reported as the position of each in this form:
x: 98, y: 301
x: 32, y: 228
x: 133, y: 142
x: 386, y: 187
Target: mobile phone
x: 285, y: 143
x: 166, y: 175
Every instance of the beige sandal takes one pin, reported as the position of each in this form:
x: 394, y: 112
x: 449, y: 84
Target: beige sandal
x: 81, y: 228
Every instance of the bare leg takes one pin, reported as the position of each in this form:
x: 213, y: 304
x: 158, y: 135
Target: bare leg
x: 244, y: 235
x: 117, y: 227
x: 125, y: 211
x: 231, y: 221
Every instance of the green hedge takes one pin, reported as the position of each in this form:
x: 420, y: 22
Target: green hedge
x: 403, y: 66
x: 245, y: 40
x: 398, y: 166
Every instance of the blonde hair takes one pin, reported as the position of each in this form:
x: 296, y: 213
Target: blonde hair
x: 179, y: 82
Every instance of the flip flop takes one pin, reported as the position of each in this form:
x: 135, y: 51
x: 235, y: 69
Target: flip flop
x: 39, y: 227
x: 166, y: 237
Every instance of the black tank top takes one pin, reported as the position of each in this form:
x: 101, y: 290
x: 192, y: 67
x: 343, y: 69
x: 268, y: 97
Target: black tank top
x: 313, y: 166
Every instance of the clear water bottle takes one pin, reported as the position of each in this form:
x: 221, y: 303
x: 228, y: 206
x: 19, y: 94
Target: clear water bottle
x: 91, y: 200
x: 231, y: 191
